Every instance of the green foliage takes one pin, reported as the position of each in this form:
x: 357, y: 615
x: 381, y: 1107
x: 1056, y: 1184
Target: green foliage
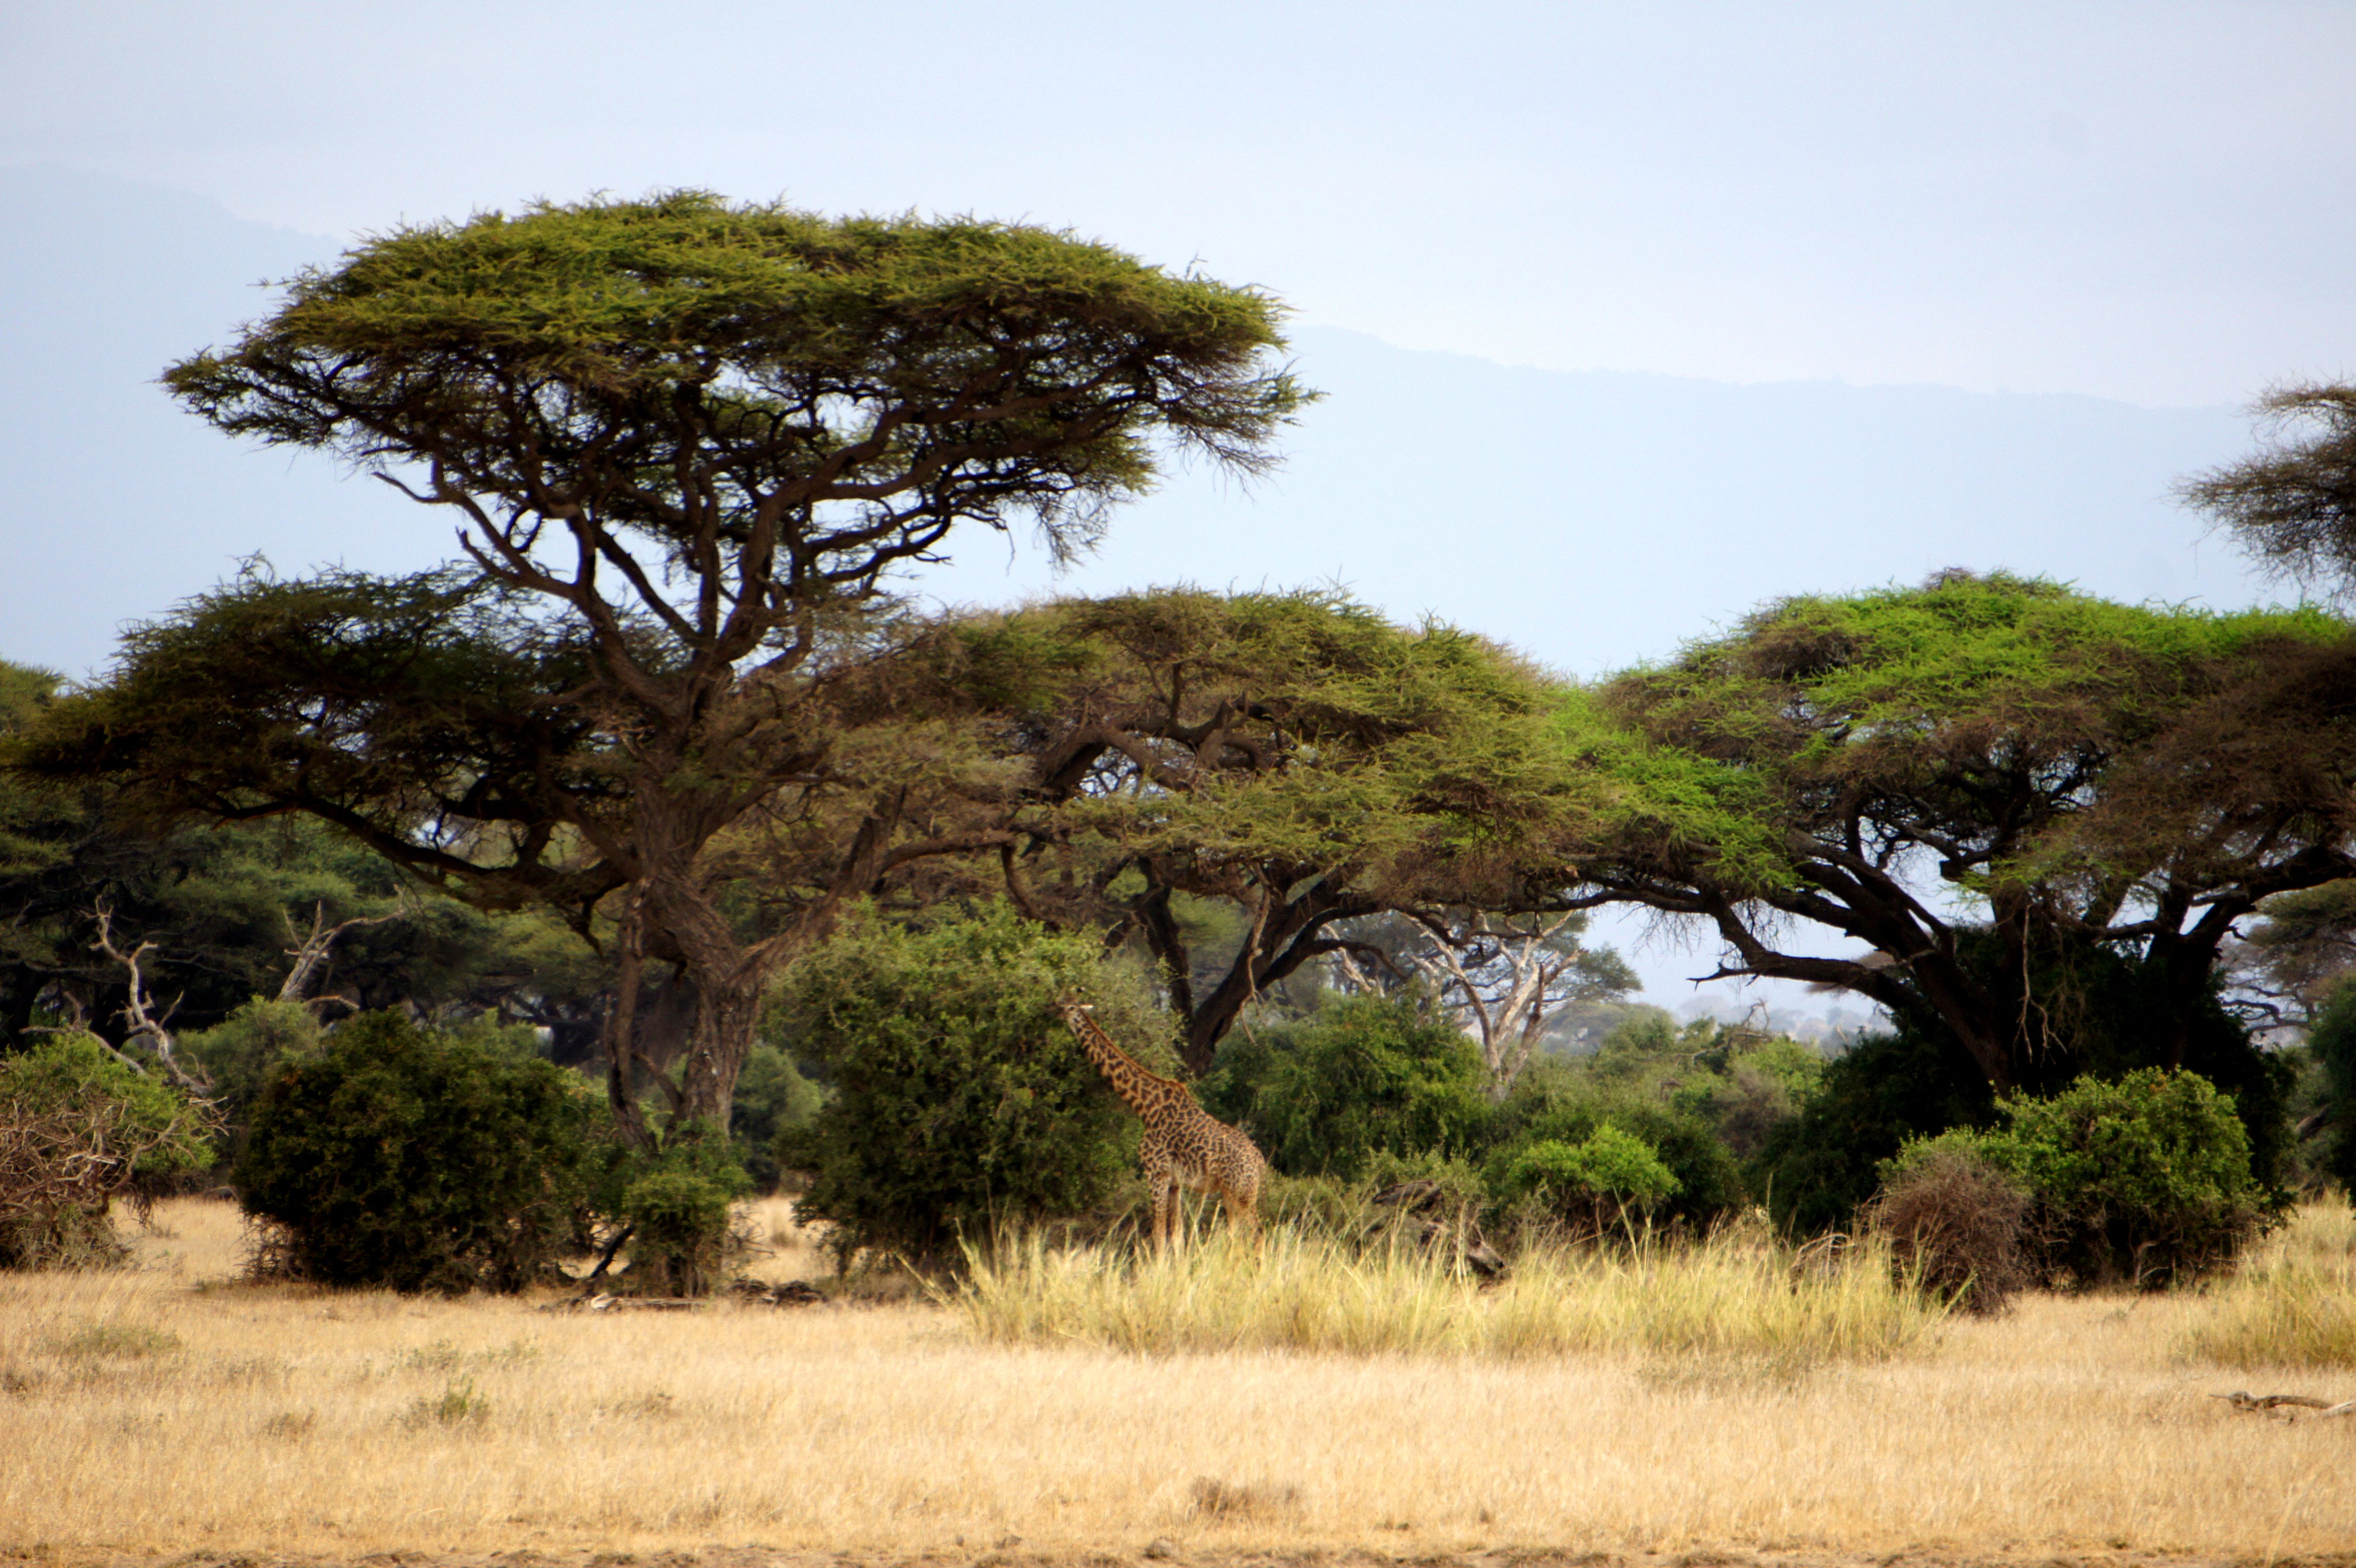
x: 2333, y: 1041
x: 2145, y: 1178
x: 1742, y: 1083
x: 773, y: 1101
x: 244, y: 1050
x: 76, y: 1072
x: 1816, y: 1170
x: 2062, y: 762
x: 79, y: 1125
x: 2119, y: 1014
x: 1365, y: 1075
x: 1609, y: 1168
x: 774, y: 409
x: 1556, y: 1103
x: 677, y: 1203
x: 407, y: 1157
x: 960, y: 1100
x: 633, y: 305
x: 1361, y: 766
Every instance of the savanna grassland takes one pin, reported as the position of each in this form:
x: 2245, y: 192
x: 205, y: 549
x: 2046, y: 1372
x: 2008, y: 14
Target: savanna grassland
x: 167, y: 1410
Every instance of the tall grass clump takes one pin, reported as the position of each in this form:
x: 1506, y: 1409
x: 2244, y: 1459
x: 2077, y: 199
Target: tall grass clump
x: 1737, y: 1295
x: 2292, y: 1303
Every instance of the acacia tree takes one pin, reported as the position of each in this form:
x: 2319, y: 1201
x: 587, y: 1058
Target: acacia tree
x: 2004, y: 790
x: 1288, y: 761
x: 2292, y: 506
x: 682, y: 442
x: 1501, y: 975
x: 2293, y: 503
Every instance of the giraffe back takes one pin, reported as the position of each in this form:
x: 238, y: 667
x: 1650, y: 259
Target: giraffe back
x: 1182, y: 1142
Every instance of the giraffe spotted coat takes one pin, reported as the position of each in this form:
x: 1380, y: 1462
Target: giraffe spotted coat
x: 1184, y: 1145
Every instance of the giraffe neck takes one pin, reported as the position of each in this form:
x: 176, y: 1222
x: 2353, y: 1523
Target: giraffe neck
x: 1144, y: 1089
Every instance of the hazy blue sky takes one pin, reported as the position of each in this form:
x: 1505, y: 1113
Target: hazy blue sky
x: 2150, y: 201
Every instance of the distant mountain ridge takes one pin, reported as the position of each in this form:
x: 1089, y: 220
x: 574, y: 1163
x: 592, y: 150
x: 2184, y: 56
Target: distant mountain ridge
x: 1592, y: 519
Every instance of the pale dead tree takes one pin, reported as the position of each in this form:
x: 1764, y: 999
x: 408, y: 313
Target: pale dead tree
x: 1499, y: 976
x: 140, y: 1013
x: 310, y: 952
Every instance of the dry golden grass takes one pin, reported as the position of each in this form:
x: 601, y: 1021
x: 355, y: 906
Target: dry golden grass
x: 2291, y: 1303
x: 1742, y: 1294
x: 162, y: 1411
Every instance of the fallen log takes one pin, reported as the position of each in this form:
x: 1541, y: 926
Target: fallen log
x: 2240, y: 1399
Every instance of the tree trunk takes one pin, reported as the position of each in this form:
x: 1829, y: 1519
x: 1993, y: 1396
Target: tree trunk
x: 727, y: 1014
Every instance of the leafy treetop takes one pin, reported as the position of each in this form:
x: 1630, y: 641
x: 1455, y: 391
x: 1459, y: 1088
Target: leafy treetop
x: 2085, y: 772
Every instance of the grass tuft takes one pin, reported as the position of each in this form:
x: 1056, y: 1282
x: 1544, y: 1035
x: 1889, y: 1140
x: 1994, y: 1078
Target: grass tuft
x: 460, y: 1404
x: 1739, y: 1294
x: 1211, y: 1498
x: 2292, y: 1302
x: 117, y: 1341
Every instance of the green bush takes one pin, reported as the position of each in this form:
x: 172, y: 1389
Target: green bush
x: 773, y: 1098
x: 961, y: 1102
x: 1816, y: 1171
x: 2146, y: 1179
x: 77, y: 1072
x: 1563, y: 1105
x: 2332, y: 1040
x: 242, y: 1051
x: 410, y: 1158
x: 2105, y: 1013
x: 676, y: 1203
x: 1364, y: 1075
x: 65, y: 1100
x: 1611, y: 1164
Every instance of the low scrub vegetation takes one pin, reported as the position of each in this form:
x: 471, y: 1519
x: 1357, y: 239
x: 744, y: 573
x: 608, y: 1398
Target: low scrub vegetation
x: 2144, y: 1180
x: 1740, y: 1293
x: 1956, y: 1222
x: 78, y: 1127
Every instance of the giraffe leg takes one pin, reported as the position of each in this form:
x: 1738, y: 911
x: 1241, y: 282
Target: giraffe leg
x: 1165, y: 1196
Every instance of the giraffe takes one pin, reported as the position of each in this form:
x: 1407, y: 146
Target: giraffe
x: 1184, y: 1145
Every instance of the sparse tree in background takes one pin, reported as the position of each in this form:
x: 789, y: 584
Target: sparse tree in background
x: 2293, y: 505
x: 2295, y: 955
x: 1501, y: 976
x: 683, y: 444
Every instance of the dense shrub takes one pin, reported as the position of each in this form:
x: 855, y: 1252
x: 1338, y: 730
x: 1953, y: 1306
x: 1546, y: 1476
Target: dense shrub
x: 1954, y: 1222
x: 2106, y: 1014
x: 772, y: 1099
x: 676, y: 1203
x: 1321, y: 1096
x: 2333, y: 1041
x: 1564, y: 1106
x: 2146, y: 1179
x: 241, y: 1053
x: 79, y: 1126
x: 1816, y: 1171
x: 962, y: 1101
x: 407, y: 1157
x: 1593, y: 1185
